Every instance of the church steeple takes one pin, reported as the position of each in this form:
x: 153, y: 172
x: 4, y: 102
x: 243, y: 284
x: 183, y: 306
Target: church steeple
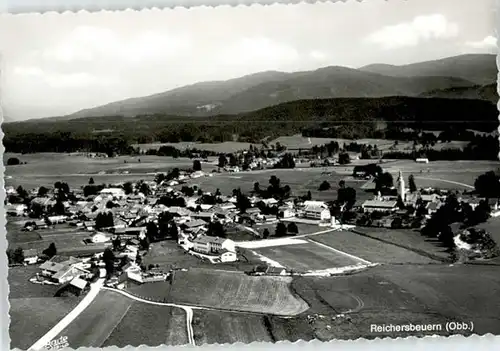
x: 401, y: 186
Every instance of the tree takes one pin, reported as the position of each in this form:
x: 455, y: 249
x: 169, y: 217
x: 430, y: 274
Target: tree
x: 173, y: 231
x: 151, y: 231
x: 51, y: 251
x: 256, y: 187
x: 15, y: 256
x: 42, y: 191
x: 21, y: 192
x: 324, y: 186
x: 344, y: 158
x: 91, y: 181
x: 117, y: 243
x: 128, y: 188
x: 13, y: 161
x: 265, y: 233
x: 222, y: 161
x: 281, y: 229
x: 242, y: 202
x: 292, y: 228
x: 487, y: 185
x: 59, y: 208
x: 104, y: 220
x: 216, y: 229
x: 384, y: 180
x: 411, y: 183
x: 196, y: 165
x: 144, y: 188
x: 108, y: 258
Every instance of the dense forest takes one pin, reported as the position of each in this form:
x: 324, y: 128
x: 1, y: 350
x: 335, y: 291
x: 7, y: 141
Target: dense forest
x: 351, y: 118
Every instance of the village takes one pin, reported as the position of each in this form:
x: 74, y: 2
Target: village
x: 122, y: 220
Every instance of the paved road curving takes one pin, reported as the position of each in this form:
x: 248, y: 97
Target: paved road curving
x: 63, y: 323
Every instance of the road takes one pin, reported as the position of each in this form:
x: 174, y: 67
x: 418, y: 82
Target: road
x: 446, y: 181
x: 187, y: 309
x: 63, y: 323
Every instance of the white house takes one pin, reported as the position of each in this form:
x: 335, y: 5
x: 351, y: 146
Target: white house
x: 379, y: 205
x: 228, y: 256
x: 30, y: 256
x: 317, y: 212
x: 114, y: 192
x: 100, y: 238
x: 15, y: 209
x: 213, y: 245
x: 422, y: 160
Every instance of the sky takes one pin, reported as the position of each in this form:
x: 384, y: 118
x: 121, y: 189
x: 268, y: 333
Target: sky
x: 56, y: 64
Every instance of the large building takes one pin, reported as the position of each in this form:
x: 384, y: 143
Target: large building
x: 379, y: 206
x: 317, y: 212
x: 212, y: 245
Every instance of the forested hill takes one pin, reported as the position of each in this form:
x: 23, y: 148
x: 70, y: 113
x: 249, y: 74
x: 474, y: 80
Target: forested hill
x: 349, y: 117
x: 264, y: 89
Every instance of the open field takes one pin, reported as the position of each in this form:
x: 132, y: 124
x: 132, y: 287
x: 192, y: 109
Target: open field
x: 408, y: 238
x: 95, y: 324
x: 149, y: 325
x: 20, y: 287
x: 47, y: 168
x: 300, y: 142
x: 225, y: 147
x: 68, y: 240
x: 307, y: 257
x: 401, y: 294
x: 32, y: 317
x: 213, y: 327
x: 236, y: 291
x: 156, y: 291
x: 369, y: 249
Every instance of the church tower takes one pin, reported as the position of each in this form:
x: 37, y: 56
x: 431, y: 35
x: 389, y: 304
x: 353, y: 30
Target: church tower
x: 401, y: 186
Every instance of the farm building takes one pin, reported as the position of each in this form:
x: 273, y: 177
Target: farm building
x: 77, y: 286
x: 62, y: 269
x: 100, y: 238
x: 207, y: 244
x: 57, y: 219
x: 43, y: 202
x: 132, y: 232
x: 422, y: 160
x: 228, y: 256
x: 31, y: 256
x: 192, y: 225
x: 15, y: 209
x: 286, y: 212
x: 114, y: 192
x: 207, y: 216
x: 317, y: 212
x: 379, y: 206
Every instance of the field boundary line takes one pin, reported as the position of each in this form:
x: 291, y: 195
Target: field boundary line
x: 446, y: 181
x: 342, y: 252
x: 417, y: 251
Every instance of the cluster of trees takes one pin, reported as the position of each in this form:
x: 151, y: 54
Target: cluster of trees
x: 286, y: 161
x: 173, y: 174
x: 454, y: 211
x: 104, y: 220
x: 488, y: 185
x: 274, y: 190
x: 282, y: 230
x: 15, y: 256
x: 172, y: 151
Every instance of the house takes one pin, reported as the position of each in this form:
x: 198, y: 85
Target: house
x: 317, y: 212
x: 57, y: 219
x: 117, y: 193
x: 100, y: 238
x: 77, y: 286
x: 44, y: 202
x: 62, y: 269
x: 207, y: 216
x: 275, y: 271
x: 213, y: 245
x: 379, y: 206
x: 286, y: 212
x: 422, y: 160
x: 429, y: 197
x: 31, y: 256
x: 132, y: 232
x: 494, y: 204
x: 191, y: 225
x: 228, y: 256
x: 15, y: 209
